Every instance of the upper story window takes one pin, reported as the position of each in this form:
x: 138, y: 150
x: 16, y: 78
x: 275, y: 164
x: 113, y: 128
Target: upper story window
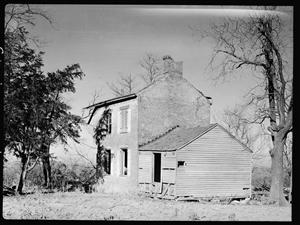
x: 109, y: 122
x: 124, y: 119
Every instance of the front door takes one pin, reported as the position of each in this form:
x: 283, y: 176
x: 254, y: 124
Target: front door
x: 157, y: 167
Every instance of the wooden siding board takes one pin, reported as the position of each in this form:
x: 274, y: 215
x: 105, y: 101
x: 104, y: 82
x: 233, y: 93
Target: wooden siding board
x: 168, y: 162
x: 216, y: 165
x: 145, y: 167
x: 168, y: 167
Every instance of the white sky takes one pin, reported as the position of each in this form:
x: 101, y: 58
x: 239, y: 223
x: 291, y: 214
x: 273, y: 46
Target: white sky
x: 110, y: 40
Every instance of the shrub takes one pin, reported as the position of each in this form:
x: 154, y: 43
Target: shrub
x: 261, y: 178
x: 11, y: 171
x: 61, y: 173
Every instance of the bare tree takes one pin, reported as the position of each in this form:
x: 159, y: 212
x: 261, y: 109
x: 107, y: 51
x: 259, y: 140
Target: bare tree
x: 259, y: 42
x: 86, y: 114
x: 20, y: 15
x: 151, y: 65
x: 127, y: 84
x: 235, y: 120
x: 124, y: 86
x: 288, y: 163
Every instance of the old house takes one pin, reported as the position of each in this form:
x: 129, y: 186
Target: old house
x: 161, y: 141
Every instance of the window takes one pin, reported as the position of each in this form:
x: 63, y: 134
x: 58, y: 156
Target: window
x: 157, y: 167
x: 124, y: 162
x: 124, y: 119
x: 181, y: 163
x: 107, y: 162
x: 109, y: 123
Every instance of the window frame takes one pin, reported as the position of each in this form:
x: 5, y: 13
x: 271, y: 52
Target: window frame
x: 124, y: 121
x: 124, y: 162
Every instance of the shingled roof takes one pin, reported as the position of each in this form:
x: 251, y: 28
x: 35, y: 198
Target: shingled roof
x: 176, y: 138
x: 179, y: 137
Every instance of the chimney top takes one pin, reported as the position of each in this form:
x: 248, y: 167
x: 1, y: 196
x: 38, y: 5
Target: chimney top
x: 174, y: 69
x: 166, y: 57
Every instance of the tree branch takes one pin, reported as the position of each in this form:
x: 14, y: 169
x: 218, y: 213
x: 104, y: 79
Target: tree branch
x: 243, y: 61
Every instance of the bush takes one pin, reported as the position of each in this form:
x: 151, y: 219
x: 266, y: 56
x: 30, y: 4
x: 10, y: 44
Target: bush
x: 11, y: 173
x: 62, y: 175
x: 261, y: 178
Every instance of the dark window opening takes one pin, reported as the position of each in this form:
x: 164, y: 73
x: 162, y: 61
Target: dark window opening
x: 180, y: 163
x: 109, y: 123
x: 124, y: 163
x: 157, y: 167
x: 107, y: 161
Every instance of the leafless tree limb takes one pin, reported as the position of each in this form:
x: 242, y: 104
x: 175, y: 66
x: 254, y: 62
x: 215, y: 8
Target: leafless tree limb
x: 125, y: 85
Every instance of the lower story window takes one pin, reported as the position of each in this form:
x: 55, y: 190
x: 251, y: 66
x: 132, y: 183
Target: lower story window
x: 124, y: 161
x: 107, y: 161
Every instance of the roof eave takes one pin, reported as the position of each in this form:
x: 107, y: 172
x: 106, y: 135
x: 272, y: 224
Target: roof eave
x: 112, y: 101
x: 109, y: 102
x: 246, y: 147
x: 156, y: 150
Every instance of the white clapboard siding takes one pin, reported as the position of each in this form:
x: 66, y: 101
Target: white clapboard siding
x: 168, y: 166
x: 145, y: 167
x: 215, y: 165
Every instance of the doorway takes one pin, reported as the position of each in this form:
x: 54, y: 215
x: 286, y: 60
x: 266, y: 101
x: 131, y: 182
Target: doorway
x: 157, y: 167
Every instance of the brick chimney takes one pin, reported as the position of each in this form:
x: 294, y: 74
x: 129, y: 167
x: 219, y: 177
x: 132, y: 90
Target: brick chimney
x: 171, y: 67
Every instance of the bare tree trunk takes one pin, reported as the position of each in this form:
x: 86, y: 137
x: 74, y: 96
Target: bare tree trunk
x: 291, y: 184
x: 47, y: 171
x: 46, y: 166
x: 276, y: 192
x: 44, y: 172
x: 22, y: 175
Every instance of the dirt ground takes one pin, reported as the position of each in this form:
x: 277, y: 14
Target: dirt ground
x: 97, y: 206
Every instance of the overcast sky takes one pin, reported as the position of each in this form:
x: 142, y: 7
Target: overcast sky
x: 108, y: 41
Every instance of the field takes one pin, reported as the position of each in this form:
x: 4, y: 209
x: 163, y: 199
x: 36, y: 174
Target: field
x: 100, y: 206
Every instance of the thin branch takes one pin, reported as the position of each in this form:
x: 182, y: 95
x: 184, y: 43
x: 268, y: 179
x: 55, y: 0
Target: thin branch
x: 33, y: 165
x: 81, y: 155
x: 243, y: 61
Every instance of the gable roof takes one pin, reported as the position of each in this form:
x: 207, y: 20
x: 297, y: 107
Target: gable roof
x: 179, y: 137
x: 175, y: 139
x: 158, y: 136
x: 109, y: 102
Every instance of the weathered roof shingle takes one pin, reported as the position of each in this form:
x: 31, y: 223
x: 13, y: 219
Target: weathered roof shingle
x: 176, y: 138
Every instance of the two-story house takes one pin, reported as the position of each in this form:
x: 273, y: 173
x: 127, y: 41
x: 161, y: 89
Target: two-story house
x: 161, y: 141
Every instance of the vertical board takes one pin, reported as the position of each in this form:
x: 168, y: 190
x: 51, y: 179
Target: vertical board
x: 145, y: 167
x: 168, y: 167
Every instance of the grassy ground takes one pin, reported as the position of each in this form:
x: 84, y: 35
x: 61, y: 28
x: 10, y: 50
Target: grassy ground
x: 96, y: 206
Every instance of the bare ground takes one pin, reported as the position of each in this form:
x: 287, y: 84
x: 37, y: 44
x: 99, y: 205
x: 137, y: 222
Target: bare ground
x: 99, y: 206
